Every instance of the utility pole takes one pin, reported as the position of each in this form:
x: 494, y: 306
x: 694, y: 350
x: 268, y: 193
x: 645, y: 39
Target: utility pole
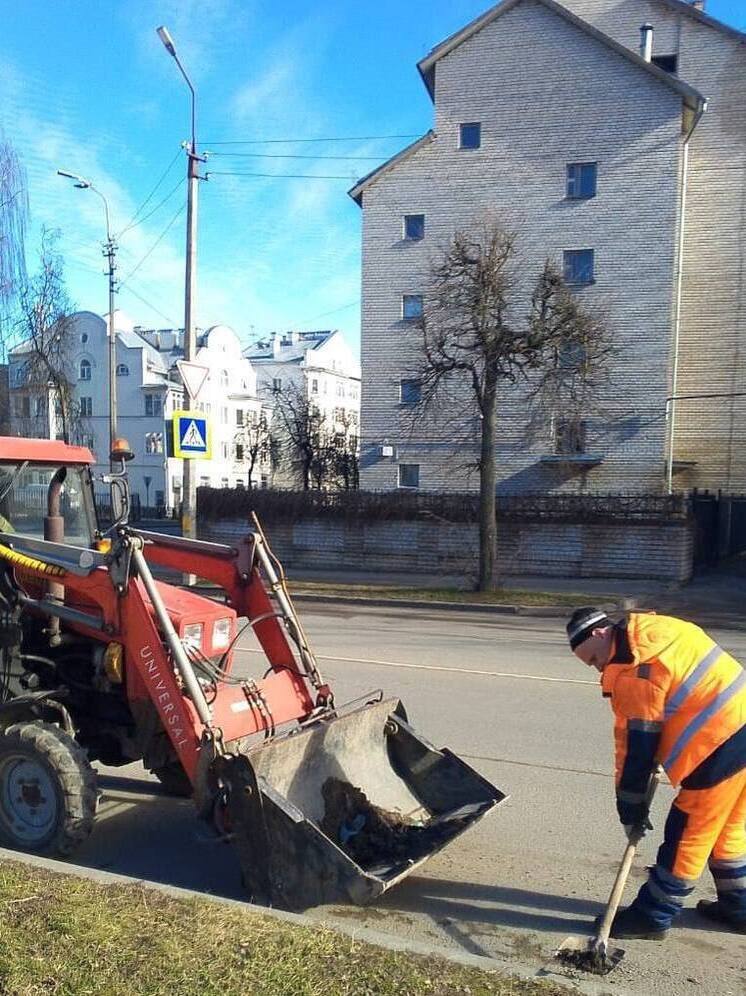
x: 189, y: 491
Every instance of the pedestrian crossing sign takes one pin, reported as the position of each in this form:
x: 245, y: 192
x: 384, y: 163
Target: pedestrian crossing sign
x: 191, y: 436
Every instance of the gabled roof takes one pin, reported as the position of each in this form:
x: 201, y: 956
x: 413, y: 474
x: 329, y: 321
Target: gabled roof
x: 356, y: 193
x: 684, y: 7
x: 692, y: 98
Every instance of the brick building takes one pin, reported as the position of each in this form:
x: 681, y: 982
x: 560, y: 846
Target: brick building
x: 626, y: 168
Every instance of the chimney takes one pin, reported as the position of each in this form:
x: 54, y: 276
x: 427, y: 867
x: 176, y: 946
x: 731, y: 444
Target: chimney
x: 699, y: 5
x: 646, y: 42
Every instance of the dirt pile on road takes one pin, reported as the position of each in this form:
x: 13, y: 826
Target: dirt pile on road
x: 373, y: 836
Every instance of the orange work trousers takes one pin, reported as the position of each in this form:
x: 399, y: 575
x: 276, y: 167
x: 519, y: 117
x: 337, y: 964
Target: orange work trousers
x: 706, y: 826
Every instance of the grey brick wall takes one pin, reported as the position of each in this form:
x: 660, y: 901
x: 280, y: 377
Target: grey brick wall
x: 568, y: 550
x: 709, y: 433
x: 546, y: 94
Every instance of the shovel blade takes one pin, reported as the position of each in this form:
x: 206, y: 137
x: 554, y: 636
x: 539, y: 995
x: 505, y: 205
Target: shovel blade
x: 589, y: 955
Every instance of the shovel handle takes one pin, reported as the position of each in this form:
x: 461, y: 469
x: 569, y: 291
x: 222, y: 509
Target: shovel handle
x: 617, y: 890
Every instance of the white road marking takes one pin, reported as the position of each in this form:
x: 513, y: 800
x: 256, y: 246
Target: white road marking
x: 439, y: 667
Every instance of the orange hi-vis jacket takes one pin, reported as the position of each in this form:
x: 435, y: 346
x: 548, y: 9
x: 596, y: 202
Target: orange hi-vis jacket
x: 677, y: 698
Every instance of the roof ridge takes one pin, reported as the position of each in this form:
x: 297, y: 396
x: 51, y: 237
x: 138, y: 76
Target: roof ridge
x: 426, y: 66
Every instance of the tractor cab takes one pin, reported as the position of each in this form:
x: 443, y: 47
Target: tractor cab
x: 43, y: 479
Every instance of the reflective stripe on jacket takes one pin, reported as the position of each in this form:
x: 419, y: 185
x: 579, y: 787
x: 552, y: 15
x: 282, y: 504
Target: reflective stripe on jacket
x: 676, y: 697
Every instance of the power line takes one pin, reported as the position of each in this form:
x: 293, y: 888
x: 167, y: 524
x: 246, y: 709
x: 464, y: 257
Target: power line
x: 144, y: 204
x: 292, y: 141
x: 134, y: 270
x: 158, y: 206
x: 269, y: 155
x: 282, y: 176
x: 152, y: 307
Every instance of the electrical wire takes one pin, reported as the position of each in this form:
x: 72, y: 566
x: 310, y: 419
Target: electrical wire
x: 157, y: 242
x: 158, y: 206
x: 133, y: 220
x: 282, y: 176
x: 300, y: 141
x: 266, y: 155
x: 148, y: 304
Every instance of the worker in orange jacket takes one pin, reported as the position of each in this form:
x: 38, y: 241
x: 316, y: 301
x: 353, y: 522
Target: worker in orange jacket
x: 679, y: 701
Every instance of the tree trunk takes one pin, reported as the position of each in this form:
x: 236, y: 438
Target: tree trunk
x: 487, y: 485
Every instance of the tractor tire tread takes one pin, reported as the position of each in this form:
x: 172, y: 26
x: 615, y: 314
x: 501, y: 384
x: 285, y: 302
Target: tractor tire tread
x: 76, y: 776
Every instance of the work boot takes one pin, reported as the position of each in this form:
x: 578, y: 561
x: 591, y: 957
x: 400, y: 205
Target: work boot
x: 632, y: 925
x: 712, y: 910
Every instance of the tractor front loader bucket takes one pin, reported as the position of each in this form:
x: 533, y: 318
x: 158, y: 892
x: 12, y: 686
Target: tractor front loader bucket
x: 345, y: 808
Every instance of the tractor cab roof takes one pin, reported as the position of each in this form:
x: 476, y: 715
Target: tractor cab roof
x: 16, y: 449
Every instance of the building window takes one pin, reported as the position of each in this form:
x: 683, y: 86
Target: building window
x: 669, y: 63
x: 224, y: 482
x: 239, y: 416
x: 40, y: 407
x: 411, y: 306
x: 470, y: 135
x: 239, y: 452
x: 23, y: 406
x: 569, y: 436
x: 223, y: 378
x: 86, y: 407
x: 84, y: 338
x: 154, y: 442
x: 579, y: 266
x: 340, y: 389
x: 581, y: 180
x: 410, y: 392
x: 84, y: 371
x: 160, y: 499
x: 224, y: 451
x: 87, y: 440
x: 414, y: 227
x: 409, y: 475
x: 224, y: 415
x: 123, y: 370
x: 314, y: 386
x: 240, y: 483
x: 276, y: 384
x: 19, y: 374
x: 153, y: 405
x: 204, y: 482
x: 264, y: 481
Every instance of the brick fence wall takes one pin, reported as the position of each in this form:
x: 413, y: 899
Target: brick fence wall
x: 659, y: 550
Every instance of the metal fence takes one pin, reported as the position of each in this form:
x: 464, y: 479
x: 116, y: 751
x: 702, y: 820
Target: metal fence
x: 372, y: 506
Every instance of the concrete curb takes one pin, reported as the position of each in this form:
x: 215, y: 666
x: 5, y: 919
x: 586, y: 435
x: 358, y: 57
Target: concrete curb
x: 546, y: 611
x: 364, y: 934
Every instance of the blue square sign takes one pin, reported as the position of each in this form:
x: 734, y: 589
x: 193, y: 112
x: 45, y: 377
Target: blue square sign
x: 191, y: 436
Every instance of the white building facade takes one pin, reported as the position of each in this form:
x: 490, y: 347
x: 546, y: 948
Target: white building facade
x: 618, y: 170
x: 322, y: 368
x: 149, y: 391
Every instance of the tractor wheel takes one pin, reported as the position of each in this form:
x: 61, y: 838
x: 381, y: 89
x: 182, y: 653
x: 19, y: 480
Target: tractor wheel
x: 174, y: 779
x: 47, y: 790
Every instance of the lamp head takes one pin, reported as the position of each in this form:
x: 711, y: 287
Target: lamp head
x: 167, y: 40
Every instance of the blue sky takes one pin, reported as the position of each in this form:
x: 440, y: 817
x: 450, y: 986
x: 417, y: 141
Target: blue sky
x: 85, y: 85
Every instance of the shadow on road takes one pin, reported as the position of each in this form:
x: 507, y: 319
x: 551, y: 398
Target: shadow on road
x: 453, y: 904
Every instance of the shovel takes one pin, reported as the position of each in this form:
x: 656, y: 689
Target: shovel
x: 592, y: 954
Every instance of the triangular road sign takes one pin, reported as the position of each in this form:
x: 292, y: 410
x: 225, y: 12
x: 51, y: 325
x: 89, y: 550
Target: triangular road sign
x: 194, y: 376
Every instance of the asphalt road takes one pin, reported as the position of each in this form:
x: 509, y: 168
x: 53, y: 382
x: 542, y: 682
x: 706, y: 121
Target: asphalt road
x: 506, y: 695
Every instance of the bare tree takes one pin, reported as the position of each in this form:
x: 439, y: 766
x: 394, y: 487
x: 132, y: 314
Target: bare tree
x: 344, y: 462
x: 474, y: 339
x: 303, y: 435
x: 44, y: 326
x: 259, y: 447
x: 13, y: 218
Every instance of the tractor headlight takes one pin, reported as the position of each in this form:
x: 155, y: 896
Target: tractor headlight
x: 221, y: 634
x: 193, y: 635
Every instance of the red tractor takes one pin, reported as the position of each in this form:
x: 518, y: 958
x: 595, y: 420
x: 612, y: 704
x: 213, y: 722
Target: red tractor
x: 101, y: 662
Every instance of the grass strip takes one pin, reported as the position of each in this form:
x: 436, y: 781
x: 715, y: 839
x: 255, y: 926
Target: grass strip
x: 500, y: 596
x: 66, y: 936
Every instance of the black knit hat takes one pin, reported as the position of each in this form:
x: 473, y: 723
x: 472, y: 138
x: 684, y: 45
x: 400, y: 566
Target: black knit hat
x: 583, y: 622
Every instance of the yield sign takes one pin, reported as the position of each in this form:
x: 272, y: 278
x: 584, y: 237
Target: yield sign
x: 194, y: 376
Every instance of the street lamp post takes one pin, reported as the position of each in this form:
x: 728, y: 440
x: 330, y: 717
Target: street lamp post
x: 109, y: 252
x: 189, y: 493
